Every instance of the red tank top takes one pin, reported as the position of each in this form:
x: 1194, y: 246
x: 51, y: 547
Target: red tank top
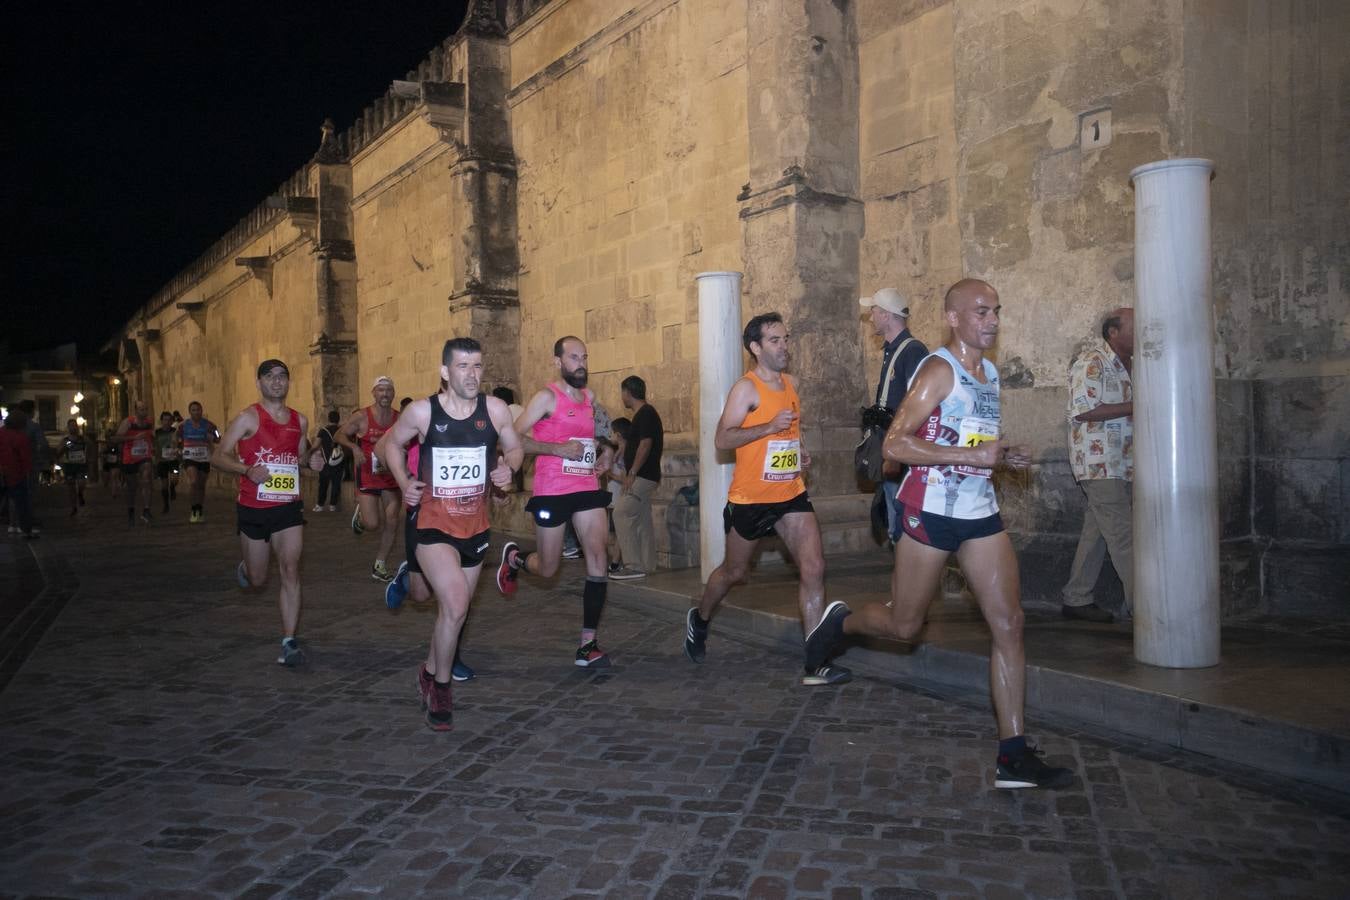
x: 277, y: 446
x: 140, y: 442
x: 373, y: 474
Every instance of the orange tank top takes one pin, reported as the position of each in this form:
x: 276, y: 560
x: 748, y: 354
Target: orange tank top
x: 769, y: 470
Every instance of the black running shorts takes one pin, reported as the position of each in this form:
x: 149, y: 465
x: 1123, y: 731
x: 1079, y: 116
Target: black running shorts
x: 165, y: 469
x: 471, y: 549
x: 944, y: 532
x: 556, y: 510
x: 260, y: 524
x: 753, y: 521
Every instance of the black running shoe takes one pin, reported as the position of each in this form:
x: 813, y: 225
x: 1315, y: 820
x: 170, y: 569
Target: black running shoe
x: 827, y: 674
x: 695, y: 637
x: 822, y: 639
x: 291, y: 654
x: 1027, y: 771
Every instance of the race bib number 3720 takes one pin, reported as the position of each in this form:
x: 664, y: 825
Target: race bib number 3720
x: 458, y: 471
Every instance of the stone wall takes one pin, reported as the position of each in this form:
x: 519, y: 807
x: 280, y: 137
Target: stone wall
x: 567, y: 166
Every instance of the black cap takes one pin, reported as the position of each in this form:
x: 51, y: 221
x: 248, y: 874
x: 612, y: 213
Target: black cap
x: 268, y: 365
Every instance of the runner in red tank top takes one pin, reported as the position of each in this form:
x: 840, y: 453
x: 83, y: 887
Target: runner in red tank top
x: 265, y: 445
x: 377, y: 494
x: 136, y: 435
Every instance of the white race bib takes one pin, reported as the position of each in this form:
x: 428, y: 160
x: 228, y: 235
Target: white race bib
x: 140, y: 448
x: 196, y: 454
x: 973, y: 433
x: 169, y: 453
x: 282, y: 484
x: 458, y: 471
x: 75, y: 456
x: 585, y: 465
x: 782, y: 460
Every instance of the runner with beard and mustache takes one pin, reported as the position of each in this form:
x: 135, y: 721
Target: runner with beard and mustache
x: 558, y: 427
x: 264, y: 445
x: 949, y: 431
x: 761, y: 421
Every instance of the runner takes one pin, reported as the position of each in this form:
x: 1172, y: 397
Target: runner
x: 166, y: 459
x: 377, y: 499
x: 761, y: 421
x: 197, y: 437
x: 459, y: 432
x: 948, y: 429
x: 136, y: 434
x: 264, y: 445
x: 558, y: 426
x: 73, y: 455
x: 112, y: 471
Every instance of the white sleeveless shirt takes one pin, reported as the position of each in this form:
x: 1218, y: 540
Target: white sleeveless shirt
x: 967, y: 417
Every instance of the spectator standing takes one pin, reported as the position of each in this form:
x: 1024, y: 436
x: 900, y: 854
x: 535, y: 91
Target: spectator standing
x: 642, y: 476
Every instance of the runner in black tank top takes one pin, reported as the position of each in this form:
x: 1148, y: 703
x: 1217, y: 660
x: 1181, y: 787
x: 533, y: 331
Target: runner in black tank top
x: 460, y: 433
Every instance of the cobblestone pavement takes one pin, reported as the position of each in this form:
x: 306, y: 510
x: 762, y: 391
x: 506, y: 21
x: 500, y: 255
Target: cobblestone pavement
x: 150, y: 746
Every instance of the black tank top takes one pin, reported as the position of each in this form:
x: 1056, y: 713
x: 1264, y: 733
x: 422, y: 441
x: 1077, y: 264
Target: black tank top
x: 455, y: 458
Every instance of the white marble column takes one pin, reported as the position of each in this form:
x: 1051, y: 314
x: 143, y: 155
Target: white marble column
x: 719, y: 363
x: 1176, y: 489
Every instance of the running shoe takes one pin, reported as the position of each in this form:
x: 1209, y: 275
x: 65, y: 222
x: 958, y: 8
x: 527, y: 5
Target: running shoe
x: 332, y: 509
x: 357, y: 527
x: 827, y: 674
x: 590, y: 656
x: 571, y: 553
x: 241, y: 575
x: 318, y: 507
x: 424, y: 683
x: 506, y: 572
x: 380, y: 572
x: 626, y: 573
x: 695, y: 637
x: 291, y: 654
x: 397, y: 590
x: 145, y: 517
x: 439, y: 703
x: 1027, y: 771
x: 460, y: 672
x: 821, y: 640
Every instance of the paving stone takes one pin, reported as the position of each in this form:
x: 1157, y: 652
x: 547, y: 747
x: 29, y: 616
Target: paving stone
x: 204, y: 768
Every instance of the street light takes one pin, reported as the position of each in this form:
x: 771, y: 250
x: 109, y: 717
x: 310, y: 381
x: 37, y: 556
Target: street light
x: 79, y: 396
x: 74, y: 410
x: 117, y: 381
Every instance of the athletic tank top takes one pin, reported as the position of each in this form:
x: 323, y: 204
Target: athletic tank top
x: 769, y: 470
x: 569, y: 421
x: 969, y: 416
x: 197, y: 440
x: 140, y: 442
x: 454, y: 459
x: 76, y: 454
x: 277, y: 446
x: 373, y: 472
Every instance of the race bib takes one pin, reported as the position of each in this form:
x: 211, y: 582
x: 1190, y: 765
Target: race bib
x: 169, y: 453
x: 282, y: 484
x: 196, y: 454
x: 458, y: 471
x: 973, y: 433
x: 140, y: 448
x: 75, y: 456
x: 782, y: 460
x: 585, y: 465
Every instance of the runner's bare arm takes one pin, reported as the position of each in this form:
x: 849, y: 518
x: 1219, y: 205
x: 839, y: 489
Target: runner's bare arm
x: 349, y: 432
x: 226, y: 456
x: 314, y: 455
x: 540, y: 405
x: 392, y: 446
x: 932, y: 385
x: 120, y: 436
x: 740, y: 402
x: 508, y: 439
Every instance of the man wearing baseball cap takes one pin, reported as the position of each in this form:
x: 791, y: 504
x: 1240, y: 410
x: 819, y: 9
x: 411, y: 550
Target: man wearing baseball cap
x: 901, y: 356
x: 377, y: 495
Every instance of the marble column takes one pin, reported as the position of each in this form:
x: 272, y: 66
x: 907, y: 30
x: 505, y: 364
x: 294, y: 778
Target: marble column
x: 719, y: 361
x: 1176, y: 490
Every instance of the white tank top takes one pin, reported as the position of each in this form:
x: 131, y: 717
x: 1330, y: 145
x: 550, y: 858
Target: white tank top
x: 968, y: 416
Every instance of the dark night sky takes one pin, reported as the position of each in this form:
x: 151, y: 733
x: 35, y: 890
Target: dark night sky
x: 137, y: 134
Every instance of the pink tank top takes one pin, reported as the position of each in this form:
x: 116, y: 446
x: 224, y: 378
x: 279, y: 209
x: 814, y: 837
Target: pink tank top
x: 569, y: 420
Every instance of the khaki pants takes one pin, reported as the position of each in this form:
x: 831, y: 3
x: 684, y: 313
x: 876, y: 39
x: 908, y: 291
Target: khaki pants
x: 633, y: 525
x: 1107, y: 527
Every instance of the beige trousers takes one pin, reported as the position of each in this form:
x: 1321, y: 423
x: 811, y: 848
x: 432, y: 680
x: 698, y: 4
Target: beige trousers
x: 633, y: 525
x: 1107, y: 527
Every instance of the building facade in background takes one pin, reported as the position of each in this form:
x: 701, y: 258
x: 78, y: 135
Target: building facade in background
x: 567, y: 167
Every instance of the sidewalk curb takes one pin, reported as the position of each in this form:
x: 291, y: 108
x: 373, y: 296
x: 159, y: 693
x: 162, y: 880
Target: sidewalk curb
x: 1260, y: 742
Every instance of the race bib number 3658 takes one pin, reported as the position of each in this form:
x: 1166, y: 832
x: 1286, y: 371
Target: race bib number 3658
x: 282, y: 484
x: 458, y: 471
x: 782, y: 460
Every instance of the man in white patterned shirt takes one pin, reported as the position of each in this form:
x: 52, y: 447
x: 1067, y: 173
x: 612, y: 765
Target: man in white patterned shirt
x: 1101, y: 453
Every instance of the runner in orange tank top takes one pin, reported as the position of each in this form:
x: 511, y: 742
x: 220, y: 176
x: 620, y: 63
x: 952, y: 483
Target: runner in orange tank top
x: 377, y: 495
x: 762, y: 423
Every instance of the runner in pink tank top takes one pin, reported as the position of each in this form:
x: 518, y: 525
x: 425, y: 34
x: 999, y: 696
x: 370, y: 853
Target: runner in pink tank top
x: 559, y: 428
